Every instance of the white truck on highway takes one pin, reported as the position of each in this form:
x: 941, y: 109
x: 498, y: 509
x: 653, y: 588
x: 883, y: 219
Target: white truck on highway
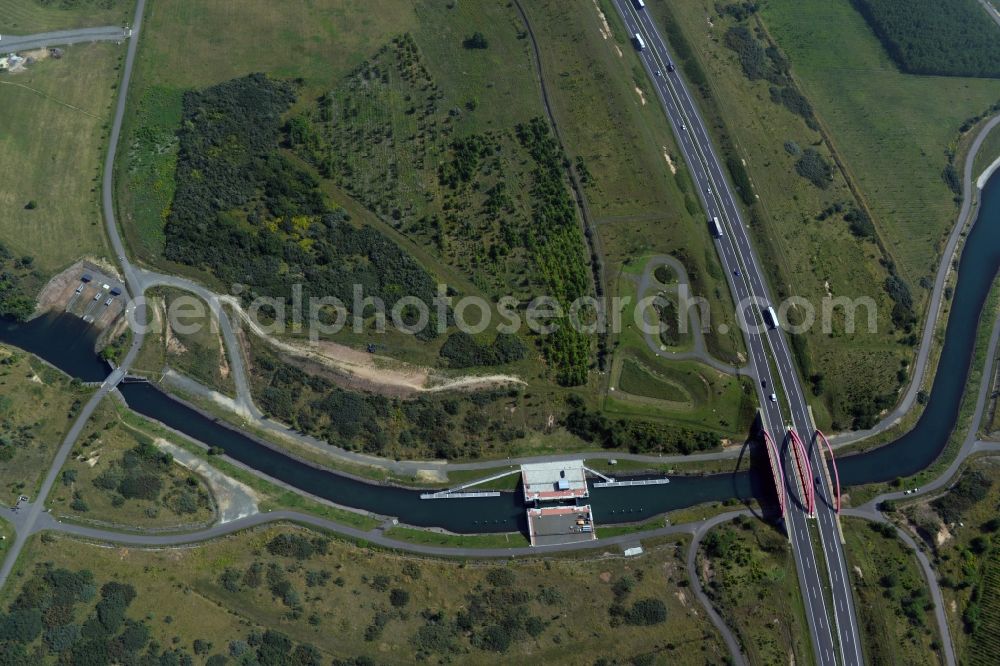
x: 770, y: 317
x: 640, y: 43
x: 640, y: 4
x: 716, y: 228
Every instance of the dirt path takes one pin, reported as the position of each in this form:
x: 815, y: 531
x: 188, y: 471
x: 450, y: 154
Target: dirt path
x: 371, y: 369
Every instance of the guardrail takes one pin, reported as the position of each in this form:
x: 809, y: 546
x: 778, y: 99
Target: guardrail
x: 774, y: 456
x: 632, y: 482
x: 833, y: 462
x: 805, y: 472
x: 444, y: 494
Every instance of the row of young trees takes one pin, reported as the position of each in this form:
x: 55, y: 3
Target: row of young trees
x: 954, y: 38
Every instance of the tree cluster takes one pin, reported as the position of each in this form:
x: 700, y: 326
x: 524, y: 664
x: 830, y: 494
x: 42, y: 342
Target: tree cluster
x: 953, y: 38
x: 461, y: 350
x: 251, y: 216
x: 814, y: 168
x: 15, y: 276
x: 439, y: 425
x: 633, y: 435
x: 971, y: 488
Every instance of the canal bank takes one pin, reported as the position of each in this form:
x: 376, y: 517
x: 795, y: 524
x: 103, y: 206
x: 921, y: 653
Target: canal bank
x: 67, y: 343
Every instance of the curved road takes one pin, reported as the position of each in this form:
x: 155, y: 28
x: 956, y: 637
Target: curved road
x: 692, y: 567
x: 970, y: 199
x: 26, y: 524
x: 700, y: 352
x: 32, y: 519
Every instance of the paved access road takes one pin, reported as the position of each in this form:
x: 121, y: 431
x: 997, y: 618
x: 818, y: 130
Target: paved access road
x: 25, y: 524
x: 750, y: 292
x: 109, y: 33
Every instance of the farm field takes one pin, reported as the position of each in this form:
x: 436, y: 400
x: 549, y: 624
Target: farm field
x: 895, y: 611
x: 26, y: 17
x: 808, y: 231
x: 348, y: 601
x: 960, y: 530
x: 35, y: 401
x: 748, y: 571
x: 958, y: 39
x: 51, y: 153
x: 893, y: 129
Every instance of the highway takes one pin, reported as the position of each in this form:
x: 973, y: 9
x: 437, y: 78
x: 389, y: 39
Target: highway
x: 749, y: 290
x: 109, y: 33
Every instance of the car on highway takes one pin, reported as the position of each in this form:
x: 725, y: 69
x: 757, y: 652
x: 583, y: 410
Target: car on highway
x: 774, y: 397
x: 658, y: 73
x: 707, y: 189
x: 763, y: 383
x: 736, y: 272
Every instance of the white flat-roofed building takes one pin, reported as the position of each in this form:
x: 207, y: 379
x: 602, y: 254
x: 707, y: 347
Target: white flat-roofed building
x: 554, y: 481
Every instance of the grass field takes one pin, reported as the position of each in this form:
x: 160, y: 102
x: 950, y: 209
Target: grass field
x: 37, y: 405
x: 894, y: 606
x: 961, y: 534
x: 804, y: 240
x: 6, y: 537
x: 427, y: 537
x: 26, y: 17
x: 319, y: 42
x: 748, y: 572
x: 893, y: 130
x: 334, y: 600
x: 641, y: 203
x: 638, y: 380
x: 51, y: 152
x: 684, y: 392
x: 194, y: 347
x: 988, y: 153
x: 105, y: 451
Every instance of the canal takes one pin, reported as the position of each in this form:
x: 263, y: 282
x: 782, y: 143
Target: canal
x: 67, y: 343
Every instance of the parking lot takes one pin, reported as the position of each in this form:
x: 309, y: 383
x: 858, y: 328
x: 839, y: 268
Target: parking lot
x: 90, y: 294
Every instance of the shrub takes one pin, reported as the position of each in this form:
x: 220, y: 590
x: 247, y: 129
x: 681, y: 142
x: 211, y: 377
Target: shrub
x: 814, y: 168
x: 476, y: 41
x: 399, y: 597
x: 646, y: 612
x: 860, y: 224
